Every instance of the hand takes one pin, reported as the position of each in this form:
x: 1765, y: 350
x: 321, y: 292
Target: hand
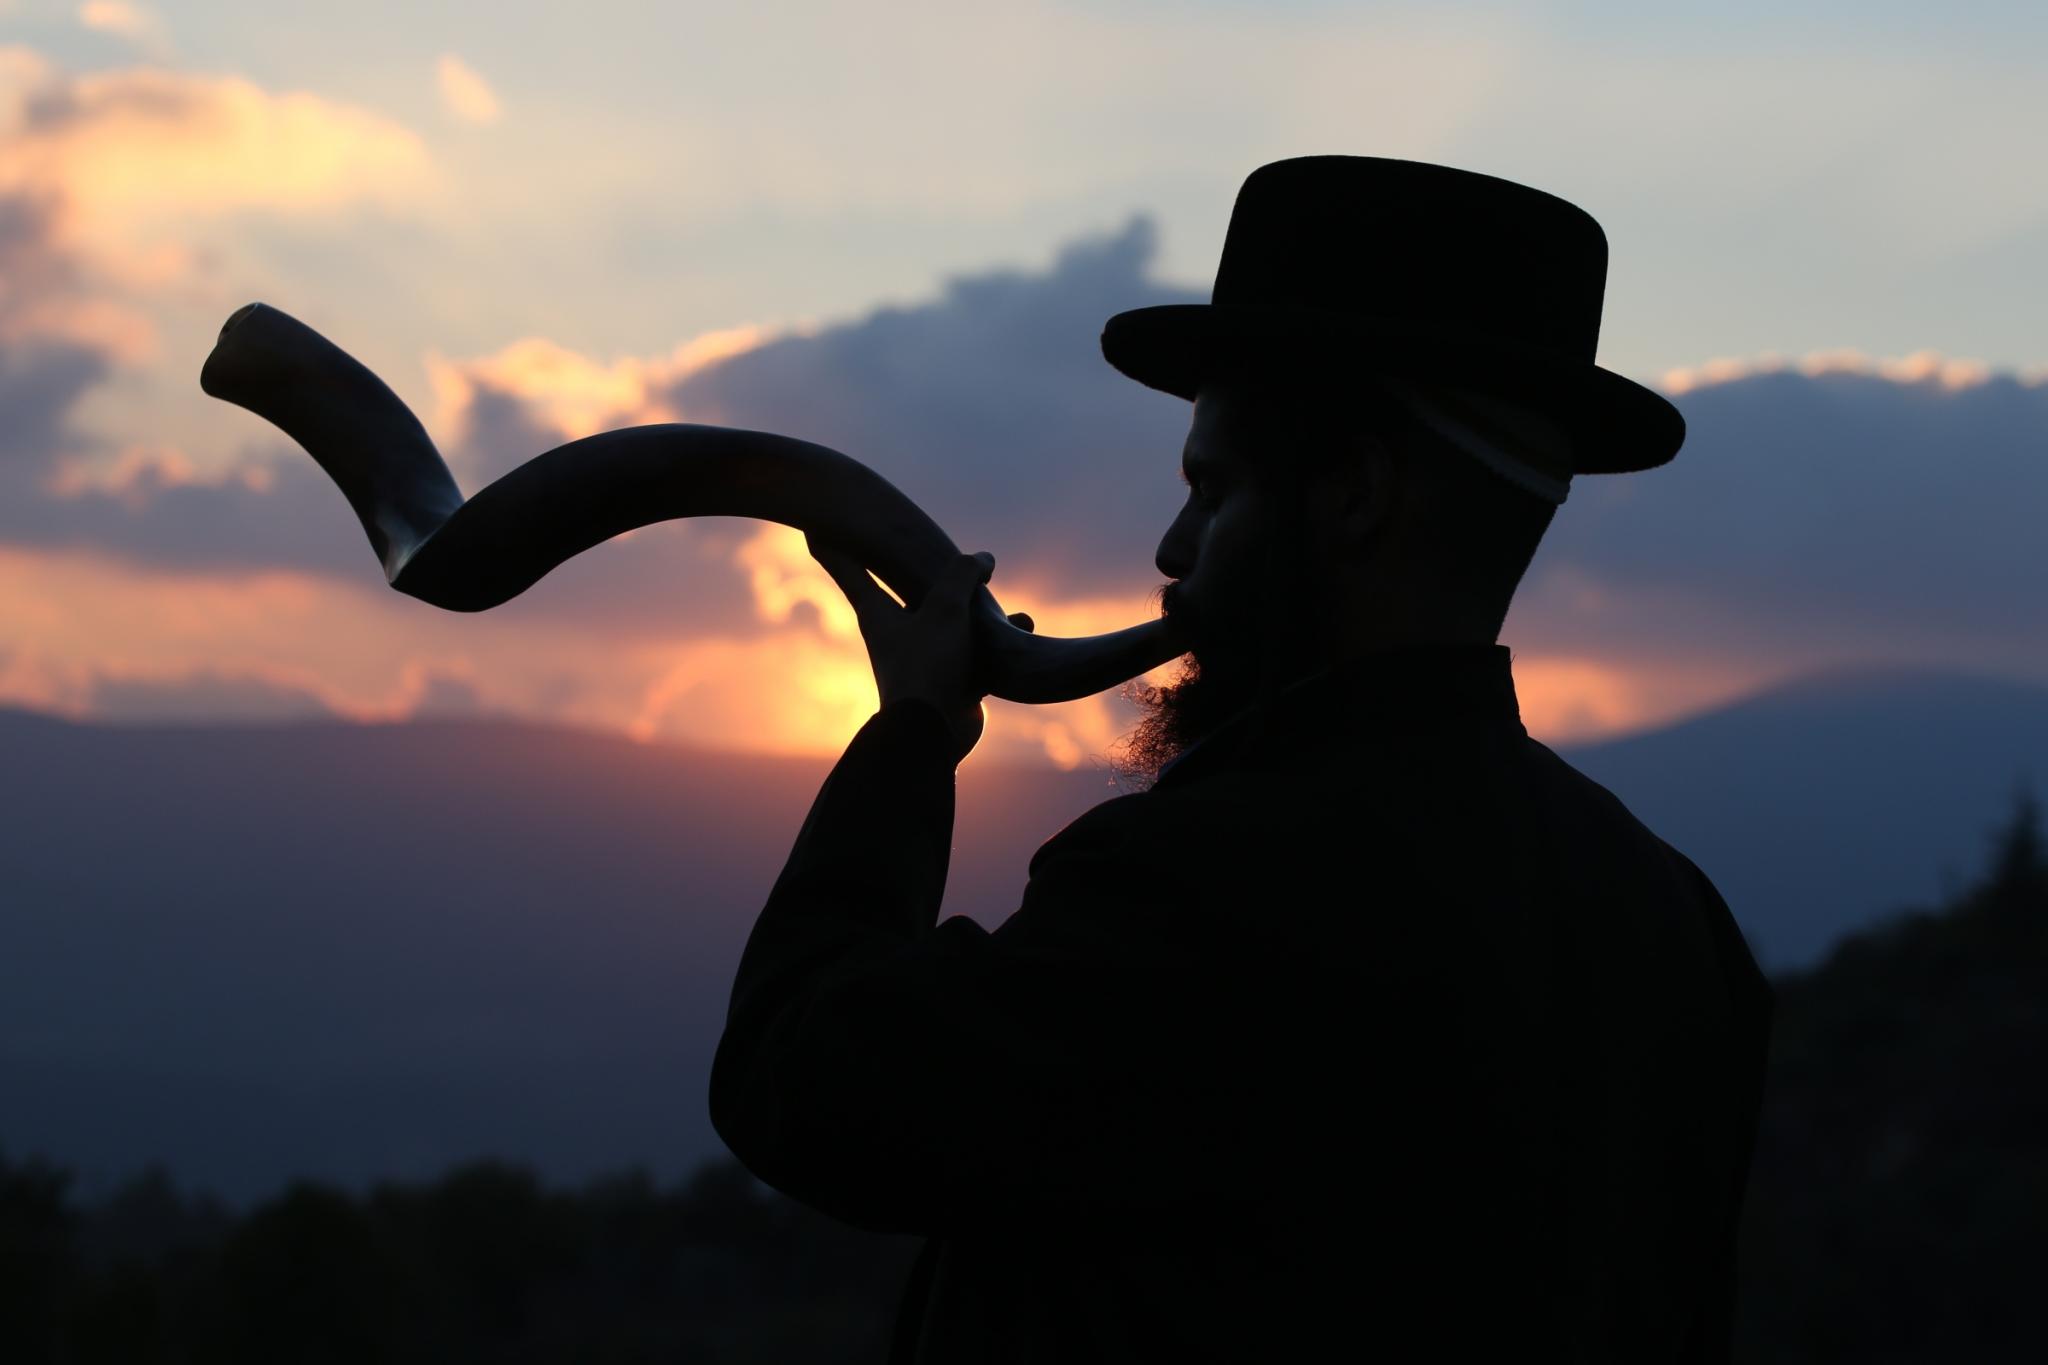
x: 928, y: 652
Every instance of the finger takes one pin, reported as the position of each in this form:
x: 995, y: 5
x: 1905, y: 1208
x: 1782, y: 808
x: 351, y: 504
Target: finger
x: 852, y: 577
x: 1022, y: 621
x: 958, y: 580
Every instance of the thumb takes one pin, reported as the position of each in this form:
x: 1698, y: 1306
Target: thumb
x: 851, y: 575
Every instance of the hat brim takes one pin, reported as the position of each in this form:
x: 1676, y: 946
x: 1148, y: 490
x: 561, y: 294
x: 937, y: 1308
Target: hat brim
x: 1616, y: 425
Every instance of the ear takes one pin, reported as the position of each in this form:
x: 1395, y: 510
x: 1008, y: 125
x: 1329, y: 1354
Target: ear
x: 1355, y: 503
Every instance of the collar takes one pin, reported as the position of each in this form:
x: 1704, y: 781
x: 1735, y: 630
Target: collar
x: 1430, y: 690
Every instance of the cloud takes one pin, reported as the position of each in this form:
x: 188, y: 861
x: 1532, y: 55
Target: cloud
x: 46, y: 293
x: 464, y: 93
x: 137, y: 23
x: 993, y: 409
x: 203, y: 696
x: 1828, y: 510
x: 1819, y: 514
x: 532, y: 394
x: 97, y: 174
x: 39, y: 385
x: 990, y: 405
x: 444, y: 691
x: 64, y: 485
x: 90, y: 168
x: 1832, y: 509
x: 1947, y: 372
x: 127, y: 157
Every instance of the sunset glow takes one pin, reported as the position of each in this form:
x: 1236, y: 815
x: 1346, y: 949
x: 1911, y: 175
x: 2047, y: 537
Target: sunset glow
x: 1920, y: 367
x: 530, y: 255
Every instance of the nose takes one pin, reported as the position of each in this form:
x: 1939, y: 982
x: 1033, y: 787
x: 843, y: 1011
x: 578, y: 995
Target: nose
x: 1176, y: 555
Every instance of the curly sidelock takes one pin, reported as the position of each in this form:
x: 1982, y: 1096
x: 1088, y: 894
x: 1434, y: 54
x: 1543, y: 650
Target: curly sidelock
x: 470, y: 555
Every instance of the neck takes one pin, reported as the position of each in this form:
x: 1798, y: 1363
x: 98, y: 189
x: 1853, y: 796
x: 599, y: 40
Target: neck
x: 1391, y: 616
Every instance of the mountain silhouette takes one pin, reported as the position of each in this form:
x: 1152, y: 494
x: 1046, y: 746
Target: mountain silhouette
x: 361, y: 951
x: 256, y: 952
x: 1821, y: 805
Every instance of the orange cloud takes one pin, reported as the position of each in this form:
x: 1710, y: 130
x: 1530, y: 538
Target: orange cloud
x: 122, y: 19
x: 72, y: 618
x: 1921, y: 367
x: 466, y: 94
x: 132, y: 475
x: 1568, y: 699
x: 575, y: 394
x: 72, y: 621
x: 130, y: 155
x: 783, y: 575
x: 75, y: 622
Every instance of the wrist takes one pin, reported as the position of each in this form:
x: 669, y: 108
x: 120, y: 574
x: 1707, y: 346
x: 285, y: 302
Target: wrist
x: 960, y: 728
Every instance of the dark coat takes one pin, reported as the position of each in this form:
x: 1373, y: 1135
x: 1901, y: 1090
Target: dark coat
x: 1372, y: 1030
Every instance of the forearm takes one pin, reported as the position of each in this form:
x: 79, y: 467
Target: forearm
x: 863, y: 882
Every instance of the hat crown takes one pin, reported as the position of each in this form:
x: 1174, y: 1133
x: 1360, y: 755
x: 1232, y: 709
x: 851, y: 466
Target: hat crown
x: 1448, y: 251
x: 1336, y: 268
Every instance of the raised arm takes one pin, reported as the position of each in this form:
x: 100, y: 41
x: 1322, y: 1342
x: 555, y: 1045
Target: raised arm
x: 897, y: 1072
x: 907, y: 1075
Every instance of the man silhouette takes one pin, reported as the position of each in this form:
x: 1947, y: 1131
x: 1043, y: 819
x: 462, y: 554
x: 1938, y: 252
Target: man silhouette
x: 1369, y: 1029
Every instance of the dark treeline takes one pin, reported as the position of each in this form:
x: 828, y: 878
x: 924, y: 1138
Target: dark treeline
x: 484, y: 1265
x: 1899, y: 1203
x: 1898, y: 1211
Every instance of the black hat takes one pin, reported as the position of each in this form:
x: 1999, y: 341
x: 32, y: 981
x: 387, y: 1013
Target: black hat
x: 1360, y: 264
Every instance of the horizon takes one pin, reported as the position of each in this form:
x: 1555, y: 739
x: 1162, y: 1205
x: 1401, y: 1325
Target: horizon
x: 1829, y: 682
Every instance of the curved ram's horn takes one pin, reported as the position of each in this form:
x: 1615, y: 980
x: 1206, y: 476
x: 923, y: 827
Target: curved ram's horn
x: 467, y: 556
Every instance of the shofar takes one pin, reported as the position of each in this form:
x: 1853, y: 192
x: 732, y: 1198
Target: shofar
x: 471, y: 555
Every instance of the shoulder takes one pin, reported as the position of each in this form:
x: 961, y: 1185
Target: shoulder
x: 1598, y: 814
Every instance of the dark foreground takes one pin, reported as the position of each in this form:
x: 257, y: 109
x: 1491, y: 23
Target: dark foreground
x: 1896, y: 1212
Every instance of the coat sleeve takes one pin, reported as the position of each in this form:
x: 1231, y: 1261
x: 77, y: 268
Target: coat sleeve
x: 908, y: 1076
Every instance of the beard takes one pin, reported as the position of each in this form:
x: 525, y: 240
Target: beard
x: 1264, y: 638
x: 1173, y: 717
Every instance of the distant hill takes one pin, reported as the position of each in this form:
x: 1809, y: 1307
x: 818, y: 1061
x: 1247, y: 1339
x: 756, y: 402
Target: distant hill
x: 1820, y: 806
x: 318, y: 948
x: 358, y: 951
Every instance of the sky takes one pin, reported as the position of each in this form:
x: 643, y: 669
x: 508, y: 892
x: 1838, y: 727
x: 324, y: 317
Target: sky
x: 897, y: 229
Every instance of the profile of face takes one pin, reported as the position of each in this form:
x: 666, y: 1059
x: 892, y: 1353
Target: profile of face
x: 1243, y: 592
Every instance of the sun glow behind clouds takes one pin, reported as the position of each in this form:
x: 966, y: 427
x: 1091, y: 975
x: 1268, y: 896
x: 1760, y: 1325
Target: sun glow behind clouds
x: 1566, y: 700
x: 811, y: 714
x: 77, y: 628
